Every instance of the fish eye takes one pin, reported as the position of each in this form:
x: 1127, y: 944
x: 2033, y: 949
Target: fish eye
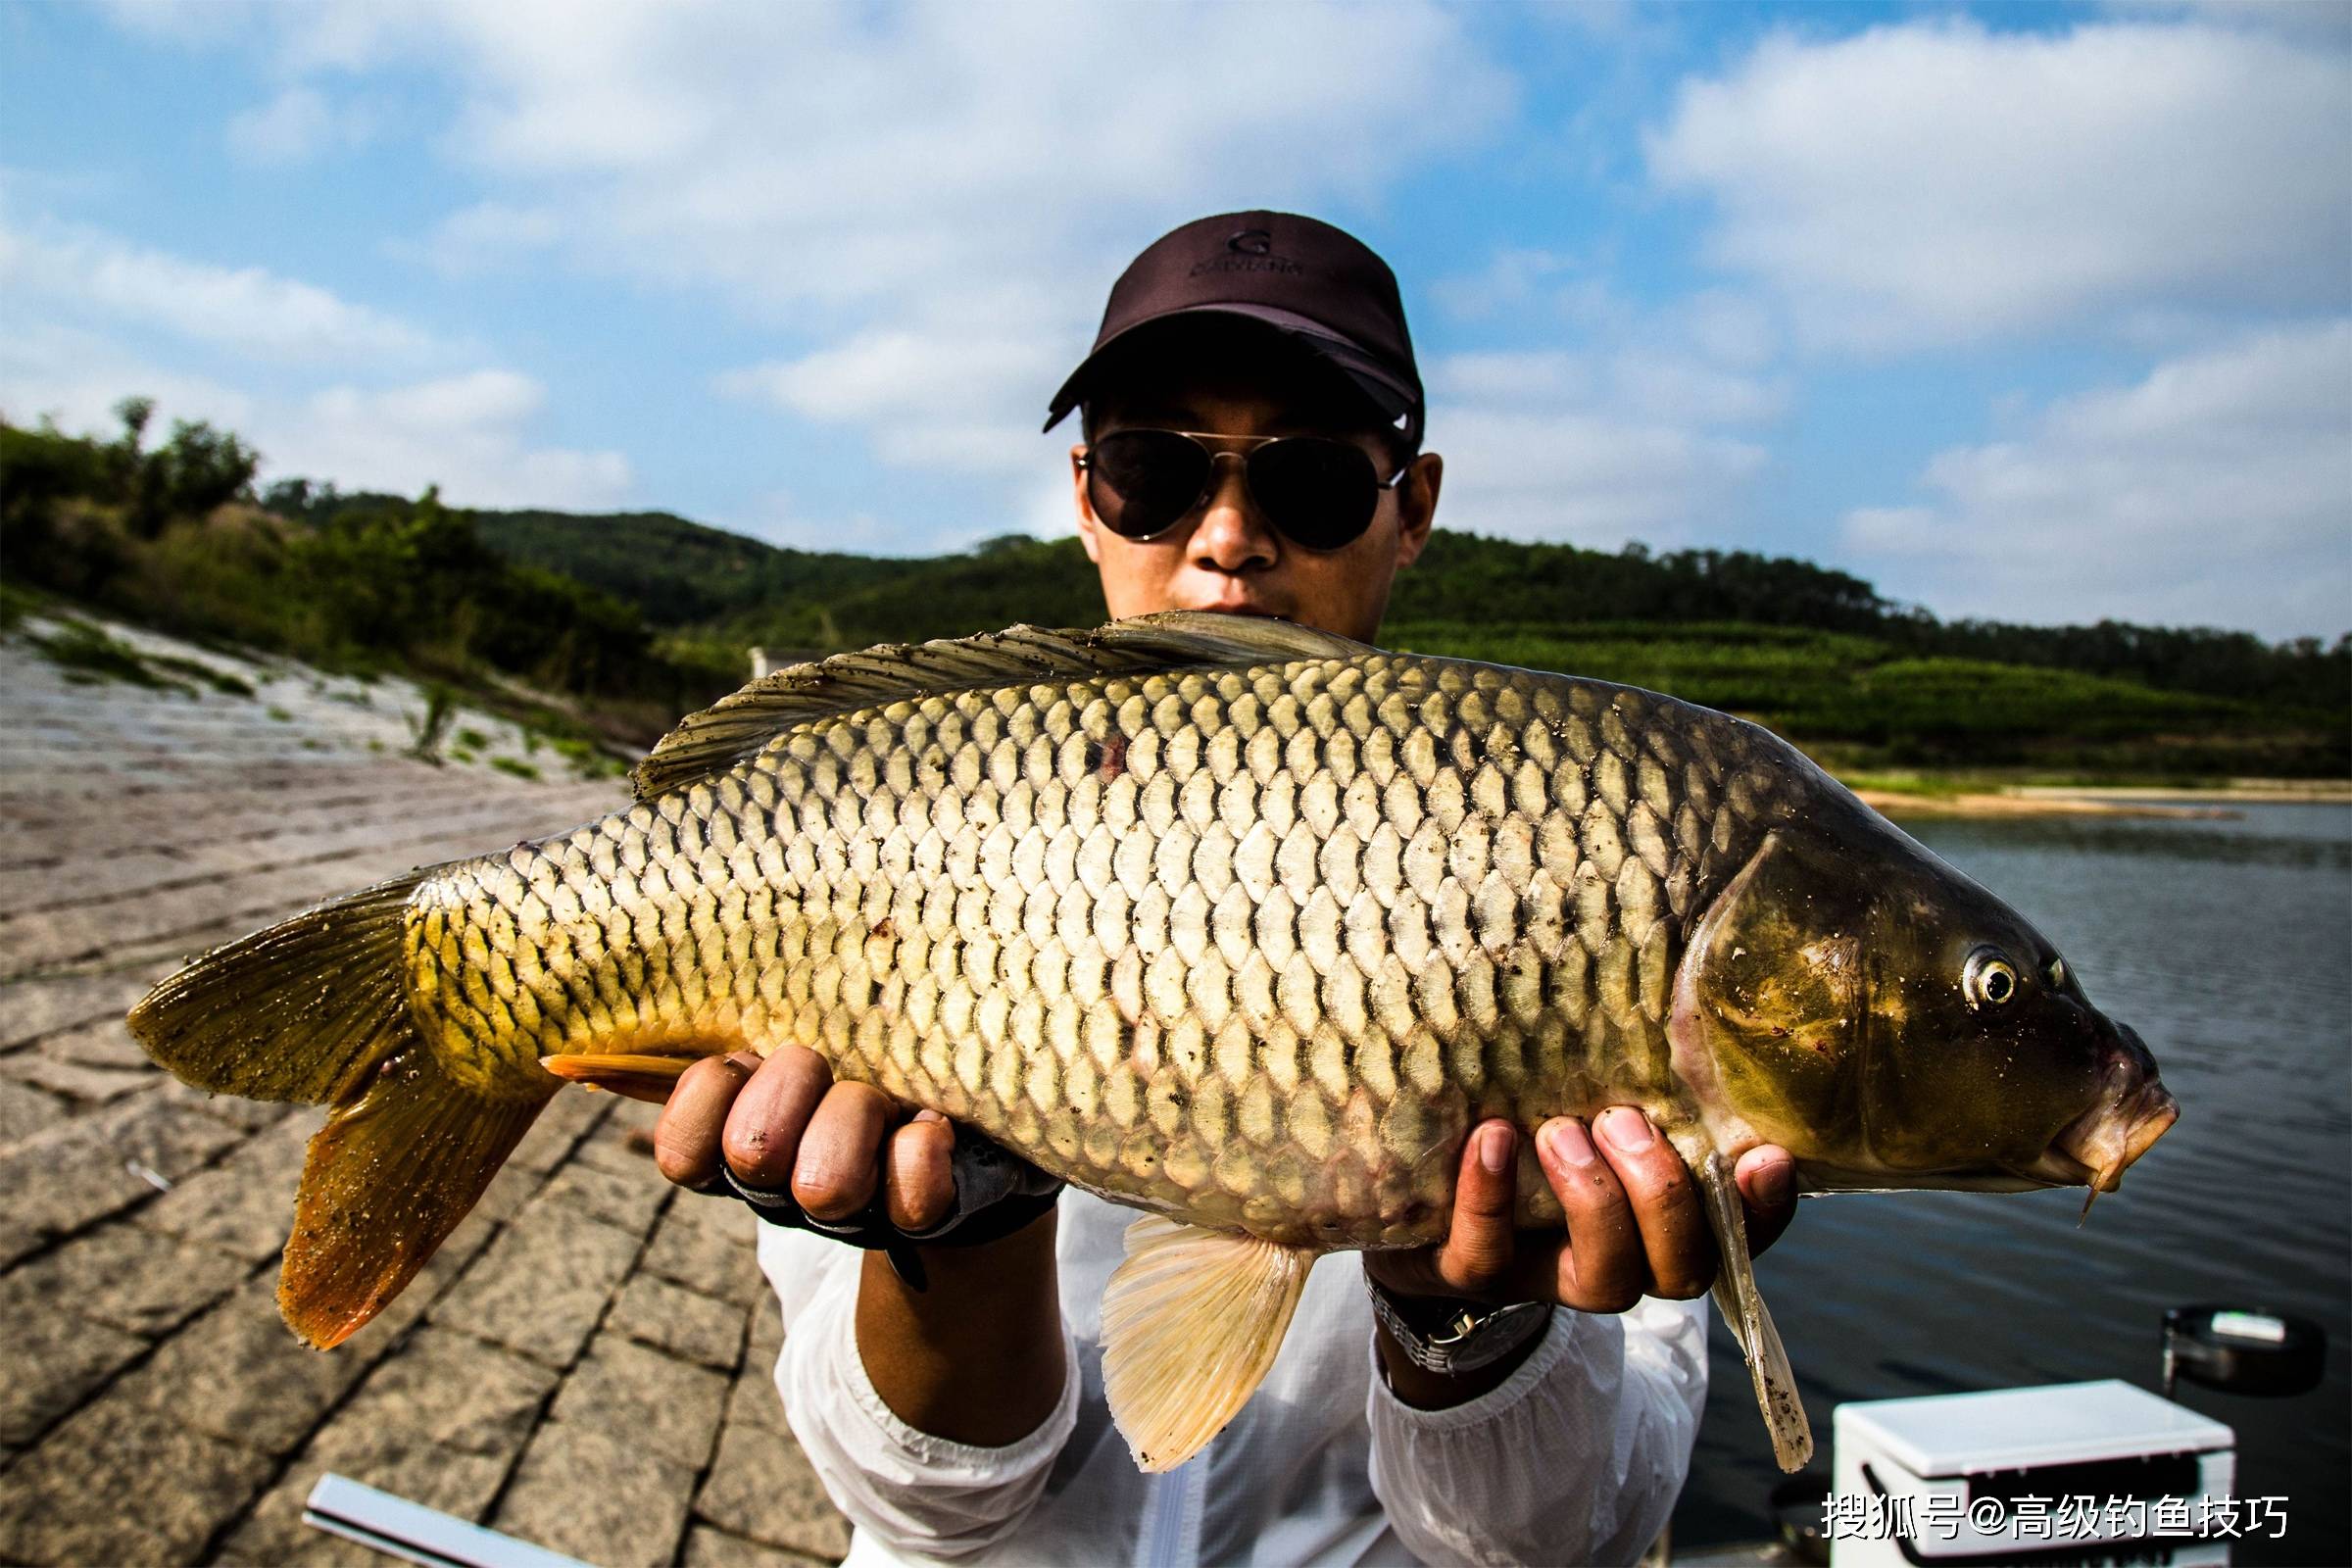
x: 1989, y: 979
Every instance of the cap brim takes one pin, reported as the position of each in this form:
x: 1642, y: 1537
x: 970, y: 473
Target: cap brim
x: 1395, y: 399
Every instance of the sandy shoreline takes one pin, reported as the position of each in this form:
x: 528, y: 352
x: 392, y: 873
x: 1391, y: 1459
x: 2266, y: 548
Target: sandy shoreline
x: 2056, y: 800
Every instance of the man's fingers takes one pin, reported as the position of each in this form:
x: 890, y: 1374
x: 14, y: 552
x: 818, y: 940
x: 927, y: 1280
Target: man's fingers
x: 686, y: 1138
x: 1603, y: 1268
x: 1767, y: 1179
x: 1476, y: 1254
x: 1676, y: 1242
x: 841, y: 1154
x: 919, y: 1175
x: 763, y: 1129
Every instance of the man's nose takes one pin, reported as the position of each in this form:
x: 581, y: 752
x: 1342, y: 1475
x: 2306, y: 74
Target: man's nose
x: 1232, y: 535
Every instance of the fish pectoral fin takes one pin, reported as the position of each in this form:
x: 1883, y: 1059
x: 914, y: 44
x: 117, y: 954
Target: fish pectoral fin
x: 1191, y: 1324
x: 639, y: 1077
x: 1742, y: 1308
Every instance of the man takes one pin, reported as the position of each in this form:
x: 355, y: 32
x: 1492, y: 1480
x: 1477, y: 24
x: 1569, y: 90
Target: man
x: 1497, y: 1398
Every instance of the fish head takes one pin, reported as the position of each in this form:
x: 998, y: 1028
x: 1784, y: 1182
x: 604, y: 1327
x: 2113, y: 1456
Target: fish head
x: 1855, y: 1000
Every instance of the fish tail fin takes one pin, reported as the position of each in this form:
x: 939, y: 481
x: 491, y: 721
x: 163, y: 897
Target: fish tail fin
x: 302, y: 1011
x: 1744, y: 1310
x: 315, y: 1010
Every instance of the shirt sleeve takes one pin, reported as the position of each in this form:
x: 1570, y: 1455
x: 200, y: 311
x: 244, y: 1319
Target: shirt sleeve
x: 1577, y: 1457
x: 918, y: 1494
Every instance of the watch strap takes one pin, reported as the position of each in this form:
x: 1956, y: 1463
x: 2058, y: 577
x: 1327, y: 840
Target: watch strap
x: 1453, y: 1336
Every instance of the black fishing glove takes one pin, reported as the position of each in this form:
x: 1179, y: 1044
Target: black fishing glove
x: 997, y: 1193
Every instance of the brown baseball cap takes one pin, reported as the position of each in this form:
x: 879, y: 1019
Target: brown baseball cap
x: 1320, y: 286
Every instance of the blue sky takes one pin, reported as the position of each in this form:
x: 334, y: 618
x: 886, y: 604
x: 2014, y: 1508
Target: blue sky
x: 2041, y: 312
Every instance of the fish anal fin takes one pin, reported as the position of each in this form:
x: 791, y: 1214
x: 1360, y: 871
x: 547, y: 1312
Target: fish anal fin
x: 1742, y: 1308
x: 1192, y: 1322
x: 637, y: 1076
x: 388, y: 1177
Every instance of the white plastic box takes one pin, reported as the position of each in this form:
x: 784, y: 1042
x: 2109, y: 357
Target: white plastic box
x: 2076, y: 1473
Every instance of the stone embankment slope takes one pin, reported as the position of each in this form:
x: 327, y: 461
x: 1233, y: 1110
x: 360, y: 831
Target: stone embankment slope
x: 586, y: 1363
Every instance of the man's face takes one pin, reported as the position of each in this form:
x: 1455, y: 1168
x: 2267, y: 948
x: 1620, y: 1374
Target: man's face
x: 1224, y: 555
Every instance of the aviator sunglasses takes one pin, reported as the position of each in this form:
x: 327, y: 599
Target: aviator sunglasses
x: 1319, y: 492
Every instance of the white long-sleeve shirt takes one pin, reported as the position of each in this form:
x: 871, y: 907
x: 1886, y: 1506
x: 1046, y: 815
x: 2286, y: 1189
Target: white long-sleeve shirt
x: 1577, y: 1459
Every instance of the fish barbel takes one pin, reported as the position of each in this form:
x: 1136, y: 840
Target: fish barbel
x: 1236, y: 922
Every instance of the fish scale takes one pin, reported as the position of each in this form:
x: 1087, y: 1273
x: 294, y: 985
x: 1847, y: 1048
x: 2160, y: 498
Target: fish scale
x: 1251, y: 946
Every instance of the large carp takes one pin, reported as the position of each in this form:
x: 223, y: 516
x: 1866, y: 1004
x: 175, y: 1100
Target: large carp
x: 1227, y: 919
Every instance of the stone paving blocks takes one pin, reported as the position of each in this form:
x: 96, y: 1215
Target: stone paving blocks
x: 672, y: 1318
x: 245, y: 1204
x: 597, y: 1496
x: 76, y: 1080
x: 88, y: 1492
x: 706, y: 1243
x: 567, y: 1118
x: 129, y: 1278
x: 83, y: 1170
x: 706, y: 1547
x: 542, y: 1286
x: 669, y: 1406
x: 754, y: 1399
x: 761, y: 1487
x: 54, y: 1361
x: 439, y: 1423
x: 26, y: 1110
x: 238, y: 1375
x: 32, y: 1009
x: 629, y: 1202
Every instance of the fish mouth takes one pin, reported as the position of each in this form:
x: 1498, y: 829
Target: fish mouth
x: 2132, y: 1110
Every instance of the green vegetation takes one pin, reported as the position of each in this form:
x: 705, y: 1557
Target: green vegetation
x: 514, y: 765
x: 88, y: 655
x: 622, y: 622
x: 173, y: 538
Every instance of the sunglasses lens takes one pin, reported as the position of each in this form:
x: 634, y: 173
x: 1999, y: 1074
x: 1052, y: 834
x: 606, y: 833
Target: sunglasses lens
x: 1143, y: 482
x: 1320, y: 492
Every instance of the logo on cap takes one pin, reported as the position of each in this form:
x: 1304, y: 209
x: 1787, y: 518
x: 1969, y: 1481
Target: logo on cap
x: 1250, y: 250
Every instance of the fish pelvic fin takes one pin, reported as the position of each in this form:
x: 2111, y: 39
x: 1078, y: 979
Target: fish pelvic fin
x: 315, y: 1010
x: 302, y: 1011
x: 388, y: 1178
x: 1192, y: 1322
x: 1742, y: 1308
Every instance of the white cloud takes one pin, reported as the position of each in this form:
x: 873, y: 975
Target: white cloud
x: 76, y: 378
x: 1595, y: 448
x: 2216, y: 491
x: 467, y: 434
x: 487, y: 235
x: 248, y: 310
x: 295, y: 126
x: 1939, y: 183
x: 848, y: 180
x: 464, y: 433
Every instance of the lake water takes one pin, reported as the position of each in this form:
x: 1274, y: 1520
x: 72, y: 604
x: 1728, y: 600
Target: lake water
x: 2227, y: 944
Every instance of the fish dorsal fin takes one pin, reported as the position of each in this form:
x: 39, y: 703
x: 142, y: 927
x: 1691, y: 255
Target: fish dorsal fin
x: 1744, y: 1312
x: 1192, y: 1322
x: 733, y: 729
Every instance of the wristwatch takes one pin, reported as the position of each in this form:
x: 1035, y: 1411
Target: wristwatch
x: 1452, y: 1338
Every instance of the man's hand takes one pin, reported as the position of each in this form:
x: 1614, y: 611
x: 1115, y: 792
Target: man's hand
x: 785, y: 1123
x: 1637, y: 1224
